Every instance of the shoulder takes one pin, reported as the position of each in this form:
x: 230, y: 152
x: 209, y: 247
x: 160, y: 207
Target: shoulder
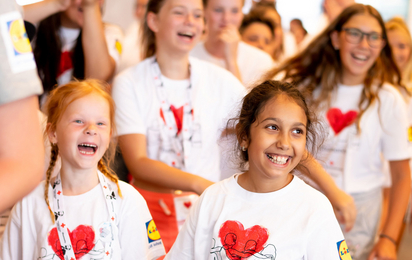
x: 310, y: 196
x: 133, y: 74
x: 389, y: 94
x: 253, y: 52
x: 129, y: 194
x: 211, y: 73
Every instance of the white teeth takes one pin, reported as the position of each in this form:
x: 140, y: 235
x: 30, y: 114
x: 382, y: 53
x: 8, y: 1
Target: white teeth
x: 278, y: 159
x: 89, y: 145
x: 83, y: 152
x: 360, y: 57
x: 187, y: 34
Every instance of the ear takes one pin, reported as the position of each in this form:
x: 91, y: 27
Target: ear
x: 243, y: 140
x: 152, y: 21
x: 51, y: 134
x: 334, y: 37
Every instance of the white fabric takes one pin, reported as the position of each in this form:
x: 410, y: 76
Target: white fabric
x: 216, y: 95
x: 28, y: 234
x: 384, y: 132
x: 252, y: 62
x: 299, y: 221
x: 68, y: 36
x: 132, y: 46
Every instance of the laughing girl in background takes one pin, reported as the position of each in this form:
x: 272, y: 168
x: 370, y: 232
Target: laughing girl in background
x: 349, y: 72
x: 223, y: 45
x: 171, y: 111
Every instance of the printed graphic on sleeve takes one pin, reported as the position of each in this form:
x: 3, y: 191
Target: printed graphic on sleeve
x: 338, y: 120
x: 240, y: 243
x: 16, y: 42
x: 343, y: 250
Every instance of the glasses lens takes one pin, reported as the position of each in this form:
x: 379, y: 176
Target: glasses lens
x: 374, y: 40
x: 353, y: 35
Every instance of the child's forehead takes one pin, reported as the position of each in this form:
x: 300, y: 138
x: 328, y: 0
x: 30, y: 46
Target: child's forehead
x: 92, y: 102
x: 282, y: 106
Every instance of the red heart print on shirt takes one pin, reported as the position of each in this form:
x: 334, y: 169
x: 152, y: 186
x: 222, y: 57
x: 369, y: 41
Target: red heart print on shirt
x: 187, y: 204
x: 178, y: 115
x: 240, y: 243
x: 338, y: 121
x: 82, y: 238
x: 66, y: 62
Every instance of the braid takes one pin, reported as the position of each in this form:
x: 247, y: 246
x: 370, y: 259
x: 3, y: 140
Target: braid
x: 109, y: 174
x: 53, y: 159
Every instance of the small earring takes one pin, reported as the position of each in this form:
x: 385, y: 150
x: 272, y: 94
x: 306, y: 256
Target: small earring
x: 244, y: 149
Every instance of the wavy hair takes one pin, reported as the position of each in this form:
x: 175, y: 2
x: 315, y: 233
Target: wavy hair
x: 319, y: 65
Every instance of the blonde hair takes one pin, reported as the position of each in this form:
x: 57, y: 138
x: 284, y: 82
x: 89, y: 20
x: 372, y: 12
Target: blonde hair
x: 398, y: 24
x: 59, y: 99
x: 319, y: 65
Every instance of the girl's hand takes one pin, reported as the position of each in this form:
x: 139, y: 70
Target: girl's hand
x: 231, y: 38
x: 87, y: 3
x: 345, y: 209
x: 383, y: 250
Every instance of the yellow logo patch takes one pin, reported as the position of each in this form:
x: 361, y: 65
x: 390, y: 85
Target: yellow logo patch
x: 18, y: 35
x: 410, y: 134
x: 118, y: 47
x: 343, y: 250
x: 152, y: 232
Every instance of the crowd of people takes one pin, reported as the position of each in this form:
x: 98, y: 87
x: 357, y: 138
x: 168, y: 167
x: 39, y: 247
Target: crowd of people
x: 239, y: 139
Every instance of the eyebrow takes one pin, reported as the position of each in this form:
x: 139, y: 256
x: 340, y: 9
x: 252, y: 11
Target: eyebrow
x: 280, y: 121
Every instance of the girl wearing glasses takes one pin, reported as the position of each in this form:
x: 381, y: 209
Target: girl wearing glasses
x: 348, y: 72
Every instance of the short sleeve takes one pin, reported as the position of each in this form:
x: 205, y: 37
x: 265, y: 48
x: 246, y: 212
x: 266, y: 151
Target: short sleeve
x: 138, y: 235
x: 18, y: 72
x: 395, y: 127
x: 184, y: 246
x: 129, y: 118
x: 325, y: 239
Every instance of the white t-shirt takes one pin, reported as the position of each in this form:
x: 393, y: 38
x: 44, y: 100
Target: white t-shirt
x: 253, y: 63
x: 354, y: 159
x: 30, y: 233
x: 68, y: 36
x: 216, y: 95
x: 132, y: 46
x: 229, y: 222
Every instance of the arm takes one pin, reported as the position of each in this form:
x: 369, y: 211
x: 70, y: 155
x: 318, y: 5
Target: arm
x: 133, y: 147
x: 98, y: 62
x: 230, y: 36
x: 21, y: 150
x: 398, y: 201
x: 36, y: 12
x: 342, y: 203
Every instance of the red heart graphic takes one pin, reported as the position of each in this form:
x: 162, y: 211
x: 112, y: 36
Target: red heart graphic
x: 187, y: 204
x: 82, y: 239
x: 338, y: 121
x: 240, y: 243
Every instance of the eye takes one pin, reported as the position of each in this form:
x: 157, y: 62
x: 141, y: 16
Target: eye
x: 78, y: 121
x: 100, y: 123
x: 298, y: 131
x: 374, y: 36
x: 273, y: 127
x: 218, y: 10
x: 354, y: 32
x: 235, y: 10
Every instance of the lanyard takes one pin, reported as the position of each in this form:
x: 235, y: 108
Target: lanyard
x: 178, y: 153
x: 61, y: 224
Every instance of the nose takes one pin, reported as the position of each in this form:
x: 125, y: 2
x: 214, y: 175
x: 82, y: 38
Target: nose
x: 364, y: 41
x: 90, y: 130
x: 189, y: 19
x: 283, y: 142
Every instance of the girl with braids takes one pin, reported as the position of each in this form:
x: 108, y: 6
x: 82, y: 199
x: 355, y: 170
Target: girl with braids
x: 72, y: 42
x: 349, y: 73
x: 104, y: 218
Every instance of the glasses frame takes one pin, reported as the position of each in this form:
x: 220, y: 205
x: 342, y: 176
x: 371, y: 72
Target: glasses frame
x: 368, y: 35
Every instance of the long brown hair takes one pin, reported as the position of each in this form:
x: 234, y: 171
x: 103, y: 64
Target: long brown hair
x: 47, y: 53
x: 60, y: 98
x: 319, y: 65
x: 147, y: 35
